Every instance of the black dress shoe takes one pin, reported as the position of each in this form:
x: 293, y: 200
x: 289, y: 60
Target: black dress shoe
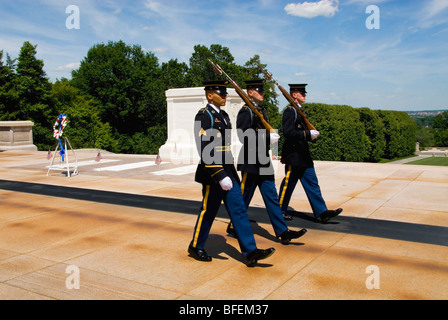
x: 328, y: 214
x: 288, y: 235
x: 231, y: 231
x: 199, y: 254
x: 258, y: 254
x: 287, y: 216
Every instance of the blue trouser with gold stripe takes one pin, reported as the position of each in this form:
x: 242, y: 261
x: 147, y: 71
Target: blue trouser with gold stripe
x: 269, y: 193
x: 310, y: 184
x: 213, y: 195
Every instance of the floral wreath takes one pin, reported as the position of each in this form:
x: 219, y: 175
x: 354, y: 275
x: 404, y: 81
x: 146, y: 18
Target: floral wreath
x: 59, y: 126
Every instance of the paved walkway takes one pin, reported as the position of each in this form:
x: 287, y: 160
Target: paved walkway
x: 121, y: 227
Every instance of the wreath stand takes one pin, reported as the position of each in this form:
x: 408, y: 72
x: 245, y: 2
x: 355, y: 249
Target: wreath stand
x: 58, y: 129
x: 61, y: 166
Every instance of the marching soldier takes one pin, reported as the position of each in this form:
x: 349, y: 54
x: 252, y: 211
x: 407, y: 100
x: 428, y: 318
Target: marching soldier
x: 217, y: 174
x: 298, y: 162
x: 255, y: 163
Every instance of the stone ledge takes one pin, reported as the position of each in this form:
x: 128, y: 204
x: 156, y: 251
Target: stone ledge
x: 16, y: 135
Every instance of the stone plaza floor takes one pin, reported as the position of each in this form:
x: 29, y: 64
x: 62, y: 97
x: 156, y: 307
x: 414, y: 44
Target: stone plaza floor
x: 120, y: 229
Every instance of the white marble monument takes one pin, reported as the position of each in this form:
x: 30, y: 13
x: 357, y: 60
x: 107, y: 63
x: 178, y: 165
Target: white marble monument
x: 182, y: 106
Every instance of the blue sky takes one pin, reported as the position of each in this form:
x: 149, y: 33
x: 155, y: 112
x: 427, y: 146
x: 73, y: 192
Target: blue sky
x: 403, y: 65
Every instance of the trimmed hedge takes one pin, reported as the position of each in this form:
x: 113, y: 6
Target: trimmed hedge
x: 360, y: 134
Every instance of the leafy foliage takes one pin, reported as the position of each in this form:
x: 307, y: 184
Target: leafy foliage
x: 441, y: 129
x: 126, y: 83
x: 342, y: 134
x: 116, y: 101
x: 400, y: 134
x: 85, y: 127
x: 26, y: 93
x: 374, y: 129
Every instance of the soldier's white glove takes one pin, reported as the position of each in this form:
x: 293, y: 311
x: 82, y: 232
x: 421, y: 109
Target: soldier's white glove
x: 314, y: 134
x: 274, y: 137
x: 226, y: 184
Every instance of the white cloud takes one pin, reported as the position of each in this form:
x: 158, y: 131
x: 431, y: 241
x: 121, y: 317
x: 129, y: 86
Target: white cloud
x: 159, y: 50
x: 156, y: 7
x: 69, y: 66
x: 435, y: 7
x: 326, y: 8
x: 431, y: 16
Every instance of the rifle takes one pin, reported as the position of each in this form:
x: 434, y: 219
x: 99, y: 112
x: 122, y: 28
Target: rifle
x: 291, y: 100
x: 243, y: 96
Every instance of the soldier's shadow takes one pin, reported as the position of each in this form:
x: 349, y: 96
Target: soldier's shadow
x: 217, y: 245
x: 307, y: 216
x: 262, y: 232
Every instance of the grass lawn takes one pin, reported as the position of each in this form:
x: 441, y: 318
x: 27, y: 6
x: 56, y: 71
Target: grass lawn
x: 432, y: 161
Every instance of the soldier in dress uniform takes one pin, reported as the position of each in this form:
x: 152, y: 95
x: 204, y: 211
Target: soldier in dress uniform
x: 217, y: 174
x: 298, y: 162
x: 255, y: 164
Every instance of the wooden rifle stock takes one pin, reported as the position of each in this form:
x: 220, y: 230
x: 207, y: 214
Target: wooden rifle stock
x: 291, y: 100
x: 243, y: 96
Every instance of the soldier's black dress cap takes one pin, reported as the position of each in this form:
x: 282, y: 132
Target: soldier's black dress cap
x: 298, y: 87
x: 257, y: 84
x: 220, y: 86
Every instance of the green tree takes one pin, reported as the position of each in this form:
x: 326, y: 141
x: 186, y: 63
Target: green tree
x: 342, y: 134
x: 128, y: 84
x: 441, y: 129
x: 85, y: 128
x: 374, y: 130
x: 34, y: 95
x: 400, y: 133
x: 200, y: 68
x: 151, y: 140
x: 8, y: 94
x: 175, y: 75
x: 425, y: 137
x: 328, y: 145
